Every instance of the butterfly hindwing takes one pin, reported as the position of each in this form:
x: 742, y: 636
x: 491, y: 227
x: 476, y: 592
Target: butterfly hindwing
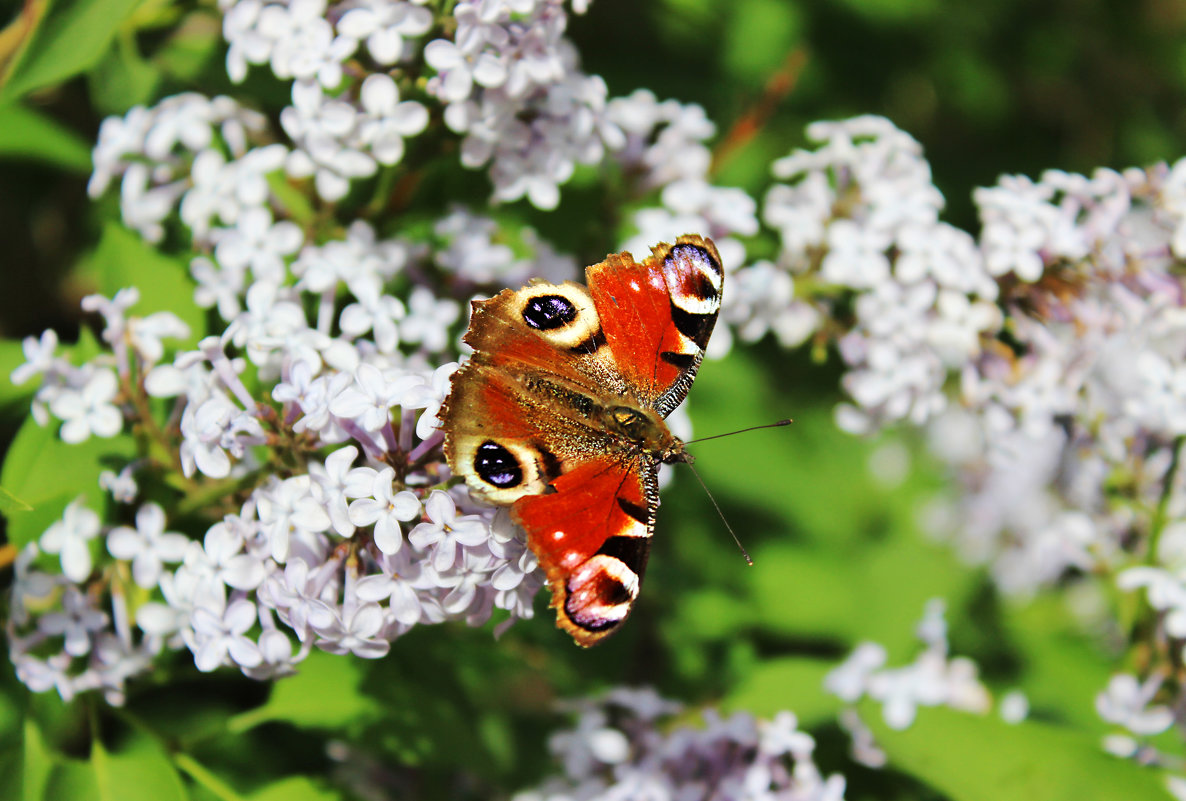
x: 592, y: 536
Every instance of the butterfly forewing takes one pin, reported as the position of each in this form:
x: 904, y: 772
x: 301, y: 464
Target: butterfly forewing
x: 658, y: 315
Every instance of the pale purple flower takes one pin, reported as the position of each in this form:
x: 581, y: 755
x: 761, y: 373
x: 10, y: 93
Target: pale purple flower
x: 384, y: 25
x: 387, y: 121
x: 287, y: 508
x: 39, y: 356
x: 446, y: 531
x: 370, y: 399
x: 89, y: 409
x: 78, y: 621
x: 378, y: 314
x: 258, y: 243
x: 218, y: 286
x: 221, y: 633
x: 457, y: 73
x: 223, y: 556
x: 385, y: 508
x: 148, y: 546
x: 355, y: 632
x: 68, y: 538
x: 121, y: 485
x: 337, y: 479
x: 1127, y: 702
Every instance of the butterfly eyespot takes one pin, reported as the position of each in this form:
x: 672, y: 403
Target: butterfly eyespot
x: 546, y: 312
x: 694, y: 278
x: 600, y: 593
x: 495, y: 465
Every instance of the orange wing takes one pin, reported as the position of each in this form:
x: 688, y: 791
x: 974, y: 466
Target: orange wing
x: 592, y: 536
x: 657, y: 316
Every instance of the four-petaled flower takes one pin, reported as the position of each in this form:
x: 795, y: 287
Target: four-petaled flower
x: 148, y: 546
x: 446, y: 531
x: 68, y: 538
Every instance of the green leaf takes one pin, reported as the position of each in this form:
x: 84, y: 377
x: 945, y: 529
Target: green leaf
x: 122, y: 259
x: 1063, y: 669
x: 139, y: 771
x: 75, y: 780
x: 10, y: 503
x: 326, y: 693
x: 793, y: 683
x: 295, y: 788
x: 37, y: 763
x: 757, y: 37
x: 122, y: 79
x: 981, y: 758
x: 71, y: 38
x: 28, y: 135
x: 47, y: 474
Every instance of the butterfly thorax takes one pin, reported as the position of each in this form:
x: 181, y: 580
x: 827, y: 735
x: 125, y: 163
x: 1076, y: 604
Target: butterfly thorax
x: 645, y: 430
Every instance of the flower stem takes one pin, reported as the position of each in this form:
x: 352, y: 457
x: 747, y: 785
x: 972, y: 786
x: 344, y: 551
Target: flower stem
x: 204, y: 777
x: 1161, y: 513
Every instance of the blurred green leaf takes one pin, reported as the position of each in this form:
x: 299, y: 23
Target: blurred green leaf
x: 122, y: 79
x: 47, y: 474
x: 1062, y: 669
x: 326, y: 693
x: 791, y: 683
x: 26, y: 134
x: 75, y: 780
x: 971, y: 757
x: 758, y: 36
x: 70, y: 38
x: 295, y: 788
x: 139, y: 770
x: 122, y: 259
x: 10, y: 503
x: 36, y: 764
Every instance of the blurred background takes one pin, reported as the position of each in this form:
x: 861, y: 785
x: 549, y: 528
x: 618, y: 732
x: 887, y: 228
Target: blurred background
x: 987, y: 88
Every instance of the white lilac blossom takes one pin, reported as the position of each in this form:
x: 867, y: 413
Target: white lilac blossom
x: 933, y: 679
x: 147, y: 546
x: 512, y: 87
x: 859, y: 215
x: 346, y: 553
x: 628, y: 743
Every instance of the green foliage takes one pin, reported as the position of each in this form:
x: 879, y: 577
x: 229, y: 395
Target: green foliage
x: 123, y: 259
x: 981, y: 758
x: 46, y: 474
x: 838, y: 556
x: 68, y: 39
x: 25, y: 134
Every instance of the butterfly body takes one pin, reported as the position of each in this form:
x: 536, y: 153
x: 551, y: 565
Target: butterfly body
x: 560, y: 414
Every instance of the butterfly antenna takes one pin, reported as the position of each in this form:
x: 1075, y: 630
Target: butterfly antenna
x: 744, y: 552
x: 785, y: 422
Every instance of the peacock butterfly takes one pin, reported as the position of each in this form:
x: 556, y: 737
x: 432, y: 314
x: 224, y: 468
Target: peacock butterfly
x: 559, y: 415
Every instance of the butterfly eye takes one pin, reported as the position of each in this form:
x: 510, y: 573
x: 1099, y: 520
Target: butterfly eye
x: 496, y: 465
x: 549, y: 311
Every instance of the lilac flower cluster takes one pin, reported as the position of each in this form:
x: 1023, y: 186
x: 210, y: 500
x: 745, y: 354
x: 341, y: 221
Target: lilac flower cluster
x: 345, y: 553
x: 858, y: 222
x: 625, y: 744
x: 1060, y: 334
x: 314, y: 401
x: 934, y: 678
